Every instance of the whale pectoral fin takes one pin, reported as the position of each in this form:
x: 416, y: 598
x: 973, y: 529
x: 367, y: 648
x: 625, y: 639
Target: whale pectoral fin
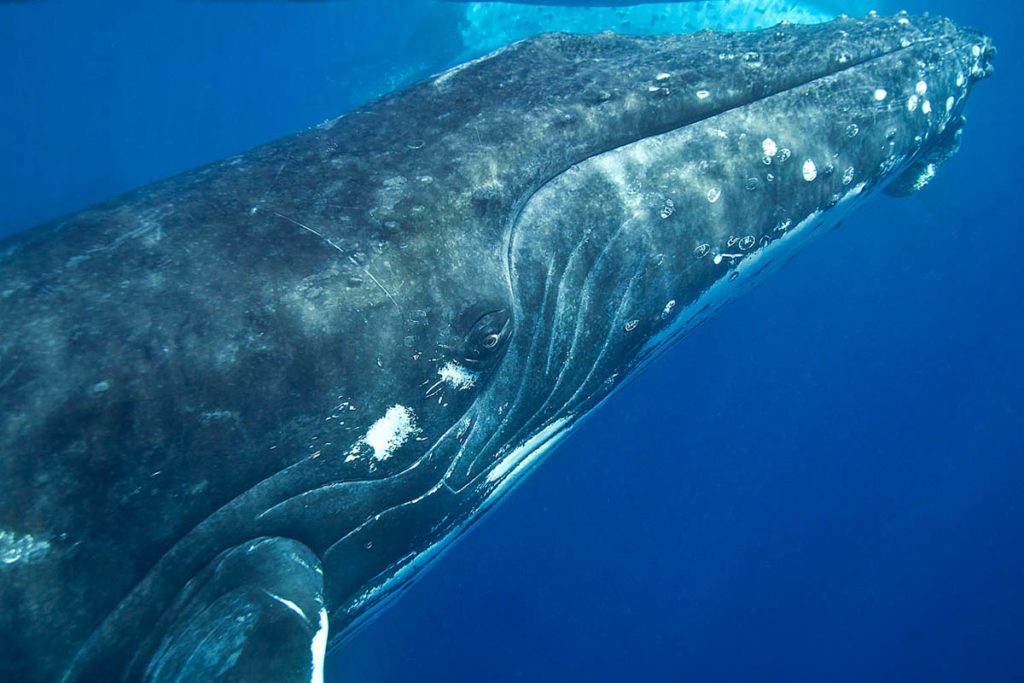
x: 256, y: 613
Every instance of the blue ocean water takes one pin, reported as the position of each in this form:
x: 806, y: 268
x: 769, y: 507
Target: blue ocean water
x: 824, y: 482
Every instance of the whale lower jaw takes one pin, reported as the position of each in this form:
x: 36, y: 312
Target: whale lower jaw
x: 750, y: 272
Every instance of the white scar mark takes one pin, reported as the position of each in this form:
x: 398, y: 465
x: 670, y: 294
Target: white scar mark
x: 318, y: 648
x: 342, y: 251
x: 289, y: 604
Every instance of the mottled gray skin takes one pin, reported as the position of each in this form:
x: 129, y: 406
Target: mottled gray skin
x: 191, y: 373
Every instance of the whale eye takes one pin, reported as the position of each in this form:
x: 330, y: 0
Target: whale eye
x: 487, y: 336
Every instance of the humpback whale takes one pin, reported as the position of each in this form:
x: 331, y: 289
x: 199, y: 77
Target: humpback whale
x: 243, y: 407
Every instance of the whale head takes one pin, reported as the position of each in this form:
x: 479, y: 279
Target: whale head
x: 618, y: 256
x: 629, y: 186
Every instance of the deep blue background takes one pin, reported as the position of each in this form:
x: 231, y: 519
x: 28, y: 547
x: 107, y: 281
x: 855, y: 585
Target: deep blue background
x: 825, y: 482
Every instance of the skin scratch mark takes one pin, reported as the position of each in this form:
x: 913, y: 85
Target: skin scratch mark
x: 342, y: 251
x: 280, y: 170
x: 9, y: 375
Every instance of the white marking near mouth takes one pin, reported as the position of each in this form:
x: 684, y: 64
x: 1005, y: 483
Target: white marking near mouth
x: 532, y: 449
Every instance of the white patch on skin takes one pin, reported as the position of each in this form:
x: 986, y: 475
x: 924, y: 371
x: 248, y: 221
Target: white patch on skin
x: 318, y: 649
x: 390, y: 432
x: 881, y: 94
x: 769, y: 147
x: 702, y: 94
x: 926, y: 107
x: 810, y: 171
x: 912, y: 103
x: 921, y: 88
x: 457, y: 376
x: 27, y: 548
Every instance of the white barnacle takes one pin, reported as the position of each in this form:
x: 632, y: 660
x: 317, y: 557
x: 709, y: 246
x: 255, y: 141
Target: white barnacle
x: 713, y: 194
x: 949, y: 103
x: 921, y: 88
x: 769, y: 147
x: 912, y: 103
x: 667, y: 208
x: 881, y: 94
x: 810, y: 171
x: 702, y: 94
x: 926, y: 107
